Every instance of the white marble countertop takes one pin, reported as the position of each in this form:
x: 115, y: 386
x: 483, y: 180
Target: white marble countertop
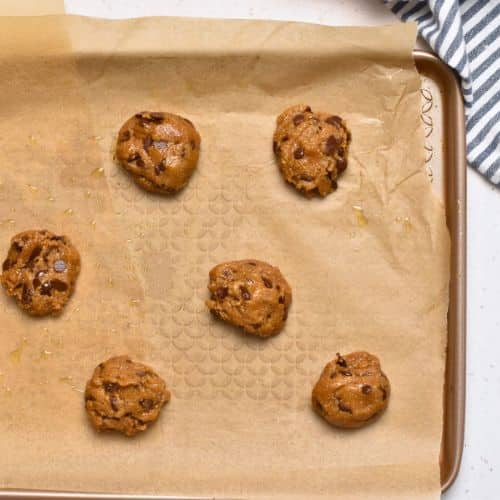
x: 478, y: 478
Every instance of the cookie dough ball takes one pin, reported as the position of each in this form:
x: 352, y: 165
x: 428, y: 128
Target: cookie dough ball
x: 160, y: 150
x: 351, y: 391
x: 40, y: 271
x: 124, y: 396
x: 250, y: 294
x: 311, y: 149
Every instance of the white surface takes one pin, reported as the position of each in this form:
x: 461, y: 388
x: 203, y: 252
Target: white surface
x: 478, y: 479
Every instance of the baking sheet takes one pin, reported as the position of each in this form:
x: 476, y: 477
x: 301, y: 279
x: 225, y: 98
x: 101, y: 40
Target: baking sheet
x: 444, y: 130
x: 377, y: 282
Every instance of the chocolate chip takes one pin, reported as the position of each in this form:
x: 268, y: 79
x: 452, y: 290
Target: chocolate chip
x: 89, y: 398
x: 159, y: 168
x: 366, y: 389
x: 268, y: 283
x: 46, y: 288
x: 281, y: 300
x: 148, y: 140
x: 343, y: 407
x: 298, y: 153
x: 147, y: 404
x: 215, y: 313
x: 341, y: 165
x: 298, y: 119
x: 346, y: 373
x: 111, y: 386
x: 331, y: 145
x: 36, y: 283
x: 305, y: 177
x: 16, y: 246
x: 138, y: 115
x: 113, y: 401
x: 384, y: 393
x: 193, y: 144
x: 26, y: 296
x: 334, y: 120
x: 341, y: 361
x: 221, y: 292
x: 35, y: 253
x: 156, y: 117
x: 334, y: 184
x: 59, y: 266
x: 140, y: 162
x: 308, y: 109
x: 245, y: 293
x: 133, y: 157
x: 6, y: 264
x: 59, y: 285
x: 125, y: 135
x: 341, y: 152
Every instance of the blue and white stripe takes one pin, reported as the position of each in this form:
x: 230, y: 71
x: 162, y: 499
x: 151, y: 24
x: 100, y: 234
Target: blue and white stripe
x: 466, y: 35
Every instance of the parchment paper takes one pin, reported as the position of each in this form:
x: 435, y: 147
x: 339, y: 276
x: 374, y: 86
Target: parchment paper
x: 31, y: 7
x: 368, y: 264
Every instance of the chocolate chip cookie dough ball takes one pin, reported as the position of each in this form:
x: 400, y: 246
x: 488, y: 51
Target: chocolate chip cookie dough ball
x: 159, y: 150
x: 311, y: 149
x: 124, y: 396
x: 351, y: 391
x: 250, y: 294
x: 40, y: 271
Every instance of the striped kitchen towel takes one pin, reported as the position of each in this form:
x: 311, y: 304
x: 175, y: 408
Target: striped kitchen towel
x: 466, y: 35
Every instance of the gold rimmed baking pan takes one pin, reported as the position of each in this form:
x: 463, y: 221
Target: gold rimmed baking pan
x: 443, y: 117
